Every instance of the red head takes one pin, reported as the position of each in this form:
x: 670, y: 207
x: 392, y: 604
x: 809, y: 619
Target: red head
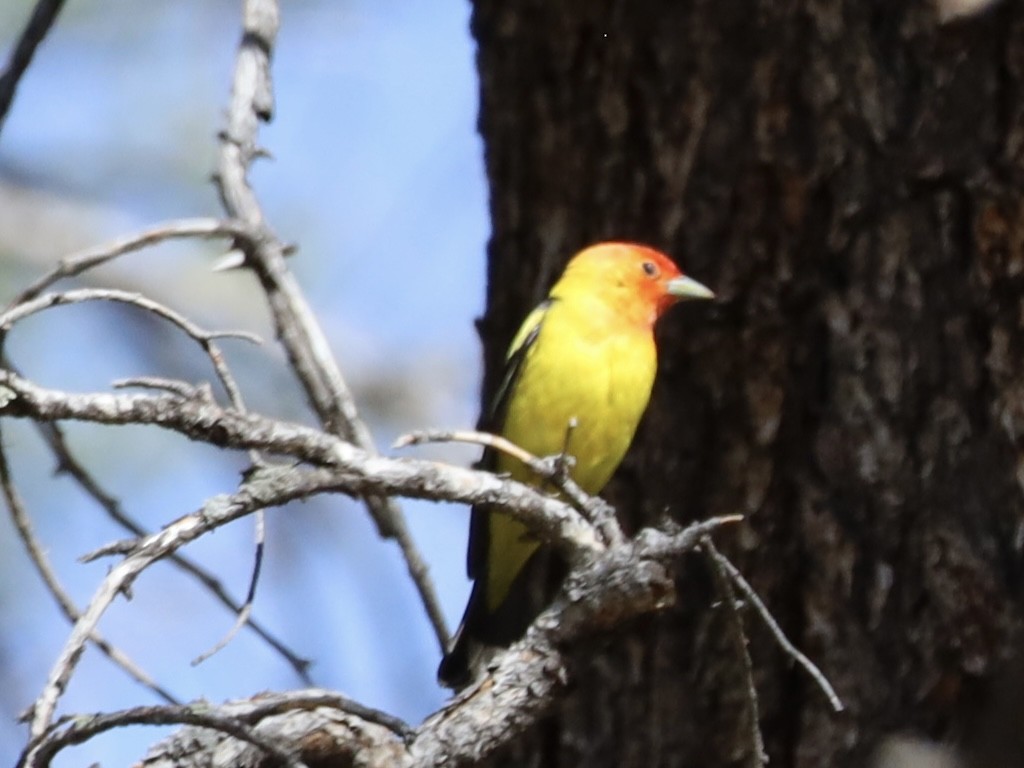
x: 639, y: 282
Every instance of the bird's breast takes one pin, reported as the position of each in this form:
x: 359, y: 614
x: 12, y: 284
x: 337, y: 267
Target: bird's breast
x: 602, y: 380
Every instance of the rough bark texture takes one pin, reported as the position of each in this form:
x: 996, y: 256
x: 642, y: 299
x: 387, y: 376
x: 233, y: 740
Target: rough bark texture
x: 857, y: 392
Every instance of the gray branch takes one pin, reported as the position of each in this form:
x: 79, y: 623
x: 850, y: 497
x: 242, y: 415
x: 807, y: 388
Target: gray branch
x: 607, y: 589
x: 252, y: 101
x: 346, y: 468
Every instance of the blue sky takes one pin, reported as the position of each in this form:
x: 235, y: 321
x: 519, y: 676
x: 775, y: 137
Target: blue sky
x: 377, y: 176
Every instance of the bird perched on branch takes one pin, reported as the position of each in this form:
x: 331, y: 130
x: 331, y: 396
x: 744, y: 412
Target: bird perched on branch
x: 585, y: 357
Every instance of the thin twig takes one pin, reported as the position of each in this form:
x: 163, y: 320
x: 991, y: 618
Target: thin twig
x: 353, y: 471
x: 276, y: 703
x: 724, y: 584
x: 780, y: 637
x: 252, y: 101
x: 264, y: 488
x: 551, y: 468
x: 67, y: 463
x: 182, y: 389
x: 204, y: 338
x: 80, y: 262
x: 42, y: 750
x: 48, y: 300
x: 119, y: 547
x: 215, y: 513
x: 242, y: 617
x: 39, y: 24
x: 37, y: 554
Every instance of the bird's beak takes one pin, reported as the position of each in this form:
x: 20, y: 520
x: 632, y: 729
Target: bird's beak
x: 683, y: 287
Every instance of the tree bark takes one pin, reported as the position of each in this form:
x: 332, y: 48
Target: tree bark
x: 846, y: 174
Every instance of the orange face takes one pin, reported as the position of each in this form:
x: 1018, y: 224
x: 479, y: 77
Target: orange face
x: 641, y: 282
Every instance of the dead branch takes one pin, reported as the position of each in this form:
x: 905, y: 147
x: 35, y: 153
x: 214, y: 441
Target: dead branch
x: 352, y: 470
x: 521, y: 685
x: 723, y: 585
x: 550, y: 468
x: 67, y: 463
x: 252, y: 101
x: 90, y: 258
x: 39, y: 24
x: 780, y: 637
x: 37, y: 554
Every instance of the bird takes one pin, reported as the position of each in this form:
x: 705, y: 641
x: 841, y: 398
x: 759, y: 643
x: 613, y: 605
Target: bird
x: 578, y: 377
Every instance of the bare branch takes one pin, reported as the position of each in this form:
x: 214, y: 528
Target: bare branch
x: 309, y: 353
x: 550, y: 468
x: 242, y: 616
x: 204, y: 338
x: 67, y: 463
x: 260, y: 491
x: 37, y: 554
x: 48, y: 300
x: 39, y: 24
x: 522, y: 682
x: 780, y: 637
x: 90, y: 258
x: 324, y: 731
x: 81, y: 729
x: 276, y: 486
x: 723, y: 583
x: 352, y: 470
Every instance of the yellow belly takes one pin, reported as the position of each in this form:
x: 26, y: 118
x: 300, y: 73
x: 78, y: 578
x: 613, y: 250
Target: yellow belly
x: 601, y: 380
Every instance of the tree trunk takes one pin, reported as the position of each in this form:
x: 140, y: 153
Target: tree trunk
x: 846, y: 175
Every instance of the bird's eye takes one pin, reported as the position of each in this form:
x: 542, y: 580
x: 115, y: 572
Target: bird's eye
x: 650, y: 269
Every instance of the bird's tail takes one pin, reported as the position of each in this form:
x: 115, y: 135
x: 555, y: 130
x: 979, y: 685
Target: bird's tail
x: 478, y: 630
x: 482, y: 631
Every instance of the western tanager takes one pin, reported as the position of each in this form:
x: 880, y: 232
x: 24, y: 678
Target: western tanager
x: 585, y: 355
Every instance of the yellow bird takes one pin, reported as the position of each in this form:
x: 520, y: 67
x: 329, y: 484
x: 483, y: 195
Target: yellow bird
x: 586, y: 355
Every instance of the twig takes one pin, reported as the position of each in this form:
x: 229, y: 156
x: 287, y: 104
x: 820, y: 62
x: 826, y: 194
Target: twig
x: 352, y: 471
x: 252, y: 101
x: 36, y: 553
x: 32, y: 302
x: 80, y: 262
x: 551, y: 468
x: 182, y: 389
x: 48, y: 300
x: 276, y: 486
x: 120, y: 547
x: 39, y: 24
x: 204, y: 338
x: 270, y: 704
x: 725, y: 588
x: 485, y: 439
x: 91, y: 258
x: 54, y: 437
x: 242, y: 616
x: 42, y: 750
x: 255, y: 494
x: 780, y: 637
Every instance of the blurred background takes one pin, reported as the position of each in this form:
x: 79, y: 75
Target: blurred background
x: 377, y: 177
